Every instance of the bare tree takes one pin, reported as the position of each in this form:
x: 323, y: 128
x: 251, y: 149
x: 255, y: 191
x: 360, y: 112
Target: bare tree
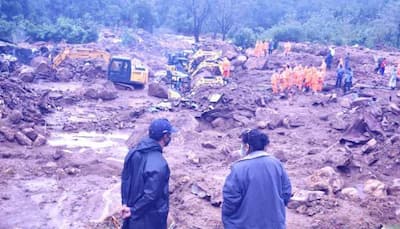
x: 199, y: 10
x: 223, y: 14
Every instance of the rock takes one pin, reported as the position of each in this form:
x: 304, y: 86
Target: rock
x: 40, y: 140
x: 105, y: 91
x: 200, y: 192
x: 72, y: 170
x: 338, y: 124
x: 208, y: 145
x: 241, y: 119
x: 281, y: 155
x: 262, y: 125
x: 22, y: 139
x: 239, y: 61
x: 274, y: 121
x: 350, y: 193
x: 296, y: 122
x: 345, y: 102
x: 370, y: 146
x: 30, y: 133
x: 325, y: 179
x: 254, y: 63
x: 158, y: 90
x: 64, y: 74
x: 218, y: 123
x: 340, y: 159
x: 375, y: 188
x: 58, y: 155
x: 394, y: 188
x: 394, y: 108
x: 109, y: 92
x: 15, y: 117
x: 300, y: 197
x: 313, y: 151
x: 193, y: 158
x: 8, y: 133
x: 360, y: 102
x: 26, y: 73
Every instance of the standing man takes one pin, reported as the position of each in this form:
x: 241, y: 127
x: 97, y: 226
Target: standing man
x: 339, y: 76
x: 145, y: 177
x: 348, y: 80
x: 257, y: 189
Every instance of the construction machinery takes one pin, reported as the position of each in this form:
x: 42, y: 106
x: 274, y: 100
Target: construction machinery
x: 205, y: 68
x: 186, y: 72
x: 121, y: 70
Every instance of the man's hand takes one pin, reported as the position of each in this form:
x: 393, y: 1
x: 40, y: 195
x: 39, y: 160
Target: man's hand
x: 125, y: 212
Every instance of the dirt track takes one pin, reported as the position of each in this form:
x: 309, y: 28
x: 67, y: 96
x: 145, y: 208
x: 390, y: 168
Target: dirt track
x: 73, y: 180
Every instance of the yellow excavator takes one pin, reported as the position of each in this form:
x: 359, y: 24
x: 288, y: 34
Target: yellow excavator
x: 209, y: 62
x: 121, y: 70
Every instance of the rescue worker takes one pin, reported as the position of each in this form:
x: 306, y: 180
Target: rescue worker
x: 393, y: 79
x: 144, y: 180
x: 226, y: 69
x: 348, y: 80
x: 257, y: 189
x: 275, y: 82
x: 339, y: 76
x: 329, y: 58
x: 347, y: 61
x: 287, y: 48
x: 382, y: 66
x: 270, y: 47
x: 266, y: 47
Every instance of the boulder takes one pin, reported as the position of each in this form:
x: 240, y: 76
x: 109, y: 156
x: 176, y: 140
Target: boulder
x: 26, y: 73
x: 58, y: 155
x: 350, y: 193
x: 104, y: 91
x: 375, y: 187
x: 262, y: 124
x: 158, y: 90
x: 254, y: 63
x: 30, y: 133
x: 370, y: 146
x: 40, y: 140
x: 15, y: 116
x: 340, y: 159
x: 394, y: 188
x: 8, y: 133
x: 22, y: 139
x: 338, y: 124
x: 301, y: 197
x: 239, y: 61
x: 64, y: 74
x: 208, y: 145
x: 325, y: 179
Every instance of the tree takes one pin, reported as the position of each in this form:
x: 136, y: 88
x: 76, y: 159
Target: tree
x: 223, y: 13
x: 199, y: 10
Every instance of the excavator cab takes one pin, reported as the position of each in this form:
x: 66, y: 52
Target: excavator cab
x: 122, y: 71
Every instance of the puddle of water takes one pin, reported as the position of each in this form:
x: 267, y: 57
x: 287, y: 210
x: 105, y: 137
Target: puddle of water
x: 54, y: 86
x: 105, y: 143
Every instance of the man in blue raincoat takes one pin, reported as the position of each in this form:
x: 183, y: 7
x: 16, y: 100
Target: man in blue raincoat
x: 257, y: 189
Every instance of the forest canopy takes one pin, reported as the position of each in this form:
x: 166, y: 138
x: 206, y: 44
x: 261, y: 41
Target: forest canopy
x: 372, y: 23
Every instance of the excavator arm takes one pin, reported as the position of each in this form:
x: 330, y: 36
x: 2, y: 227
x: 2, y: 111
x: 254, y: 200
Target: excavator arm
x: 80, y: 53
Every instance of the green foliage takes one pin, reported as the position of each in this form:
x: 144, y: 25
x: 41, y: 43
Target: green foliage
x: 128, y: 38
x: 244, y: 37
x: 287, y: 32
x: 371, y: 23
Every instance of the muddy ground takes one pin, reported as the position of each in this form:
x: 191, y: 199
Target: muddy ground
x: 342, y: 152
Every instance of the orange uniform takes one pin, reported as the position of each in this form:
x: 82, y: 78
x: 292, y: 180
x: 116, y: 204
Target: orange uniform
x: 287, y: 46
x: 226, y: 68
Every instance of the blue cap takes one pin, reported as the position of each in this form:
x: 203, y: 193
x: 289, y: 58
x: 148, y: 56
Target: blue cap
x: 159, y: 127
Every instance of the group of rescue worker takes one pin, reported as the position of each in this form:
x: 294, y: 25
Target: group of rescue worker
x: 299, y: 77
x: 262, y: 48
